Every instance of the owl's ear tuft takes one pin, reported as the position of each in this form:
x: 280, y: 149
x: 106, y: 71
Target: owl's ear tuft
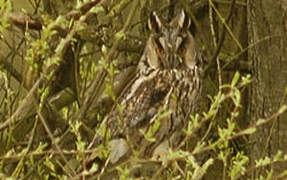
x: 154, y: 23
x: 182, y: 20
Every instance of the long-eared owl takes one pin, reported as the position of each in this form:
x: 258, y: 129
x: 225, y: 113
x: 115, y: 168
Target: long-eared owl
x: 152, y: 111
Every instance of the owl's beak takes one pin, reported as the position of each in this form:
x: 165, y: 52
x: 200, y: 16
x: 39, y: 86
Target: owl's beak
x: 173, y: 59
x: 173, y: 62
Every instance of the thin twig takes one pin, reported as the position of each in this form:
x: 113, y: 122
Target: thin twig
x: 26, y: 106
x: 93, y: 91
x: 222, y: 37
x: 43, y: 121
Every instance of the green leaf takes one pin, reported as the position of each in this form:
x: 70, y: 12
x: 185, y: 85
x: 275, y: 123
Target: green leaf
x: 49, y: 164
x: 200, y: 171
x: 282, y: 109
x: 249, y: 130
x: 238, y: 165
x: 148, y: 136
x: 278, y: 156
x: 97, y: 9
x: 262, y: 162
x: 236, y: 97
x: 235, y: 79
x: 199, y: 146
x: 246, y: 80
x: 105, y: 50
x: 119, y: 35
x: 260, y: 121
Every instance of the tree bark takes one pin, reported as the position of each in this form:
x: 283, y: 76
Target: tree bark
x: 268, y: 53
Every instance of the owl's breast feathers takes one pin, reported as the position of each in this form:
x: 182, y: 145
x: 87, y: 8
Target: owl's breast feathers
x: 162, y: 91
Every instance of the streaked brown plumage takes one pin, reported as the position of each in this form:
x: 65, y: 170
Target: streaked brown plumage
x: 163, y: 92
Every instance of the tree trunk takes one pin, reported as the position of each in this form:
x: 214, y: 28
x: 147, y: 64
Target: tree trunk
x: 268, y: 52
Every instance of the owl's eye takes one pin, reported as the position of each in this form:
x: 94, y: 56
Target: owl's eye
x: 159, y: 47
x: 160, y: 50
x: 181, y: 45
x: 182, y: 50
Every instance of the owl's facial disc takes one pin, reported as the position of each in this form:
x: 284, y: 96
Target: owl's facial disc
x: 171, y: 48
x: 171, y: 45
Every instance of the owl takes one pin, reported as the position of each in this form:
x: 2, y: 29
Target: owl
x: 151, y: 113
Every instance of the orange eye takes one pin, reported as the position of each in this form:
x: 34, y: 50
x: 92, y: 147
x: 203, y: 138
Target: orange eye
x: 159, y: 50
x: 183, y: 50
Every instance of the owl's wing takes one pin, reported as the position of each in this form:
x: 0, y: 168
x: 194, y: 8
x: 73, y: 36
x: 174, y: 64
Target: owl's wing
x: 138, y: 105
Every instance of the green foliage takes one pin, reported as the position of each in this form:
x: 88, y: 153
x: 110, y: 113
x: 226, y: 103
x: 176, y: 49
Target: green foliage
x: 151, y: 131
x: 239, y: 163
x: 5, y: 8
x: 42, y: 141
